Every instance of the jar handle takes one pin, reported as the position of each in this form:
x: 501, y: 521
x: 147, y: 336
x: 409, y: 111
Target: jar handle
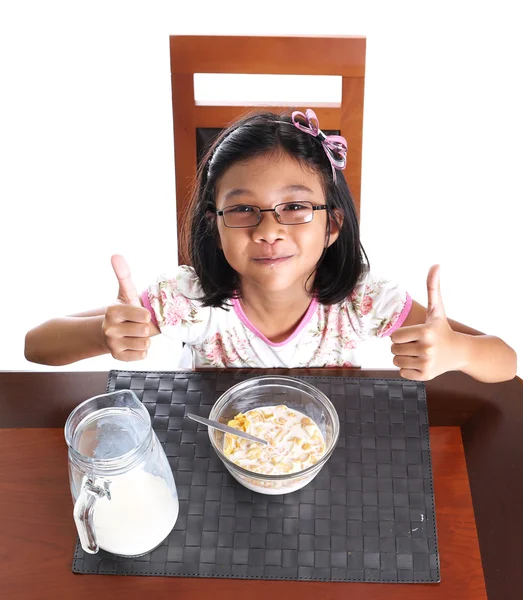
x: 83, y: 515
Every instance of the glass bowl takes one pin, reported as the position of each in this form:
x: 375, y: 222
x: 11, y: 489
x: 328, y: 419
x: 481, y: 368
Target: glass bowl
x: 272, y: 391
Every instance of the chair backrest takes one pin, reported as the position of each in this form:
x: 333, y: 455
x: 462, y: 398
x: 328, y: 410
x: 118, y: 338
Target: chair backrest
x: 195, y: 123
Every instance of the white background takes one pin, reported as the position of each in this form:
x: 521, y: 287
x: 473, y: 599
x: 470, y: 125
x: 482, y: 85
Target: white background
x: 86, y: 151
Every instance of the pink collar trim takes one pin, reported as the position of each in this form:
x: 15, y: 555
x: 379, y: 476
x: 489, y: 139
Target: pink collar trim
x: 305, y: 320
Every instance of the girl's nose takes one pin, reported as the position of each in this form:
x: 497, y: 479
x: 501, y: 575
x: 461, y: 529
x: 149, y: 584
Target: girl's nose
x: 269, y: 229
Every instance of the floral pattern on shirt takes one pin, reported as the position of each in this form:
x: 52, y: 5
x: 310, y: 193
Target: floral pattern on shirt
x: 387, y: 324
x: 228, y: 350
x: 330, y: 337
x: 172, y: 308
x: 335, y: 335
x: 362, y: 296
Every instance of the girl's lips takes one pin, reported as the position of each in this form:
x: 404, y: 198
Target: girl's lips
x: 271, y: 261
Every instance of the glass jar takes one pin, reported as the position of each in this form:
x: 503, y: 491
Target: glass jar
x: 125, y: 498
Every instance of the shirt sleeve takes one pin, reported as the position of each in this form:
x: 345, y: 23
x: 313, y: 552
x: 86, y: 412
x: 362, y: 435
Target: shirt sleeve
x: 175, y: 306
x: 379, y: 305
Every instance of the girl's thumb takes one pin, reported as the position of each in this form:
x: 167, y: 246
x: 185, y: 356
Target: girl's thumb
x: 126, y: 290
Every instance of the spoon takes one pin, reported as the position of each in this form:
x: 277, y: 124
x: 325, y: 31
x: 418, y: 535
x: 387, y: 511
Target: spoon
x: 226, y: 429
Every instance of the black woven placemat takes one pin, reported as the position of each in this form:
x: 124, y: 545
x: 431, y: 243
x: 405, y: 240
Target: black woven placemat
x: 367, y: 516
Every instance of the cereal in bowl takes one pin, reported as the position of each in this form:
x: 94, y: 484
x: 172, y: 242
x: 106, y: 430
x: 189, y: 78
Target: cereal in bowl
x: 295, y: 441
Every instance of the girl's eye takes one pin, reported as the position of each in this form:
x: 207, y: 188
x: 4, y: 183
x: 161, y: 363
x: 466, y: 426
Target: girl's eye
x: 241, y: 208
x: 292, y: 206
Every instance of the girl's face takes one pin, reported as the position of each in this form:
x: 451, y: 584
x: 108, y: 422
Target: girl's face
x: 272, y: 256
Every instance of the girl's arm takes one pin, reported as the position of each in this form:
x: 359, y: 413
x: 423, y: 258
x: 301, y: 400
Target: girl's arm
x: 123, y: 329
x: 120, y: 329
x: 67, y: 339
x: 428, y: 344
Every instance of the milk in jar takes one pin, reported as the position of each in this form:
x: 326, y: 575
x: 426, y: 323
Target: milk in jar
x: 123, y: 489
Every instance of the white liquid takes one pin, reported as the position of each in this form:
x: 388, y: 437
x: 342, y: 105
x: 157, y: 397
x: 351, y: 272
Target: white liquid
x: 295, y: 441
x: 140, y: 514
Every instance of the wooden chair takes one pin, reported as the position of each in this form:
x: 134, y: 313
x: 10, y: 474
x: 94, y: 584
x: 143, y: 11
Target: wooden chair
x: 341, y: 56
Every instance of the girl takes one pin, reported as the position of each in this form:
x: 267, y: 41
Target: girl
x: 278, y: 278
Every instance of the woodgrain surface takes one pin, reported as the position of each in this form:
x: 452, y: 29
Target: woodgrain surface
x: 288, y: 55
x: 490, y: 417
x: 38, y: 536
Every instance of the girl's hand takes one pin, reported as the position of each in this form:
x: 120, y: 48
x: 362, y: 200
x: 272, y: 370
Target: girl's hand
x: 127, y: 324
x: 425, y: 351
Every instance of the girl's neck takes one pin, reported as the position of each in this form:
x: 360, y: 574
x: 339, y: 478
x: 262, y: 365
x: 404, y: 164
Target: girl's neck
x: 276, y: 315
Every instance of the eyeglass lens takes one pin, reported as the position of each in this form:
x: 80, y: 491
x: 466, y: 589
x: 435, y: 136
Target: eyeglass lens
x: 288, y: 213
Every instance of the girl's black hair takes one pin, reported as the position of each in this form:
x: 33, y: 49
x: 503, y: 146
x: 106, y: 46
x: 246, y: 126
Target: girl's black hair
x: 341, y: 264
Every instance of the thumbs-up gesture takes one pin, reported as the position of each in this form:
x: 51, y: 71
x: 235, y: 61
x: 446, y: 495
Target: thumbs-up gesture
x: 127, y: 324
x: 427, y: 350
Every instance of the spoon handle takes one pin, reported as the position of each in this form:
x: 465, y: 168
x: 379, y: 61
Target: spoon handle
x: 226, y: 429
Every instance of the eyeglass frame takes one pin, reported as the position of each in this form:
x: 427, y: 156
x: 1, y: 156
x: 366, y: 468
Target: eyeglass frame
x: 220, y: 213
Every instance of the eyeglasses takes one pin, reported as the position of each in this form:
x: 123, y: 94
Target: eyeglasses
x: 287, y: 213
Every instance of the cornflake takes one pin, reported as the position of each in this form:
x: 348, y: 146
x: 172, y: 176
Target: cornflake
x: 295, y: 441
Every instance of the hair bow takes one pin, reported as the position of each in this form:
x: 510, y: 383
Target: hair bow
x: 335, y: 146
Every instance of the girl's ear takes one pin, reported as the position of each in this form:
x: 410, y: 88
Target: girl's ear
x: 211, y: 217
x: 335, y: 223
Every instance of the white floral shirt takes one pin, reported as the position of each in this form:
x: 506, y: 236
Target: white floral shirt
x: 327, y: 336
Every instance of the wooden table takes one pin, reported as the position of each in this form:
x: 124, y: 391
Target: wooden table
x: 476, y: 433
